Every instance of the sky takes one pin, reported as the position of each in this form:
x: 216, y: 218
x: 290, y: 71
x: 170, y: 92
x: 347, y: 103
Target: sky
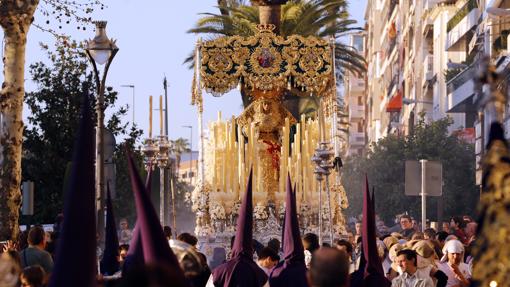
x: 152, y: 40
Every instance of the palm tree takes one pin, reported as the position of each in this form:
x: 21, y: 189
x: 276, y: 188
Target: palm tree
x: 320, y: 18
x: 178, y: 147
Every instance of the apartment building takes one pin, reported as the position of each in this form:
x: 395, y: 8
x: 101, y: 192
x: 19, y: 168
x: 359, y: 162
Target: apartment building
x: 355, y: 102
x: 424, y: 58
x: 416, y: 51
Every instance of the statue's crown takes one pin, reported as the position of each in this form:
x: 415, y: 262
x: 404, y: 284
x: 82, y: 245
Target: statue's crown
x: 266, y: 28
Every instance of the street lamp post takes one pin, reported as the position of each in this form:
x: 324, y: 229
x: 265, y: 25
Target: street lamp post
x: 190, y: 151
x: 132, y: 87
x: 100, y: 51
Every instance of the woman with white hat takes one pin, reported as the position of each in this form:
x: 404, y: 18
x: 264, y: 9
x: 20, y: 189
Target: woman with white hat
x: 453, y: 266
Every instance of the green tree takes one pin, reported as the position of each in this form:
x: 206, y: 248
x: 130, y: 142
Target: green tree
x: 16, y: 18
x: 385, y: 166
x: 320, y: 18
x: 178, y: 147
x: 53, y: 121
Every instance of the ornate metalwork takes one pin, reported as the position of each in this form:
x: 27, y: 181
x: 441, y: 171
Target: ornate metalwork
x: 266, y: 62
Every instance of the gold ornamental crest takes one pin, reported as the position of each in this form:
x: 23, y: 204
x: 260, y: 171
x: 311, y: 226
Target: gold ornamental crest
x: 266, y: 62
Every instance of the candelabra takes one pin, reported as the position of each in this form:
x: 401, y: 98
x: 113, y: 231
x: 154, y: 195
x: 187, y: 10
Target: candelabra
x: 322, y: 160
x: 156, y: 152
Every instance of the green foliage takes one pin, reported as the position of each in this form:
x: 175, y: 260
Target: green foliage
x: 178, y: 147
x: 385, y: 166
x: 124, y: 204
x: 53, y: 121
x: 470, y: 5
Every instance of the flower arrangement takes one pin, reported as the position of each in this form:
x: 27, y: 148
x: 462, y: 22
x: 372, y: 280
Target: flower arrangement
x: 236, y: 207
x: 260, y: 212
x: 217, y: 212
x: 281, y: 209
x: 304, y: 209
x: 325, y: 212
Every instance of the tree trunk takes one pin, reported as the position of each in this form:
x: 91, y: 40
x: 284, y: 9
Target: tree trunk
x: 270, y: 14
x: 15, y: 18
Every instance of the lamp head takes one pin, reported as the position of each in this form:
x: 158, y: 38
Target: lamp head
x: 101, y: 47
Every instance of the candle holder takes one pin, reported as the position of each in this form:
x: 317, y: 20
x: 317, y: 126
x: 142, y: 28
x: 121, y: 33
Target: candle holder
x: 150, y: 150
x: 162, y: 156
x: 323, y: 166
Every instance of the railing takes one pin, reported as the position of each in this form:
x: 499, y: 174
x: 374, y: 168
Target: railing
x: 393, y: 4
x: 464, y: 76
x: 393, y: 83
x: 463, y: 12
x: 391, y: 45
x: 501, y: 42
x: 356, y: 138
x: 428, y: 67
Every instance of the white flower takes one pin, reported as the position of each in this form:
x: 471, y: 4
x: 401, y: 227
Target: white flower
x: 217, y: 212
x: 260, y: 212
x: 236, y: 207
x: 281, y: 210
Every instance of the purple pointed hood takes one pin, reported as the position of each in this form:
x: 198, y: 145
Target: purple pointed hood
x: 156, y: 249
x: 110, y: 262
x: 374, y: 274
x: 135, y: 253
x: 291, y: 271
x: 241, y: 270
x: 79, y: 213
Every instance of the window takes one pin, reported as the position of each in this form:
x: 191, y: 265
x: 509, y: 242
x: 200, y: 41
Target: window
x: 357, y: 43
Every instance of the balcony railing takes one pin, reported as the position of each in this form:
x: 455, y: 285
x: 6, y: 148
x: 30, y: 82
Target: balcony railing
x: 393, y: 83
x: 356, y: 138
x: 393, y: 4
x: 428, y: 67
x: 464, y: 76
x: 463, y: 12
x: 391, y: 46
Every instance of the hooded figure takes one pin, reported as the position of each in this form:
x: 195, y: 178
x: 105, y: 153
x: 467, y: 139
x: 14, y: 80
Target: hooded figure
x: 156, y: 250
x: 75, y: 262
x: 291, y: 271
x: 110, y: 262
x: 134, y: 256
x: 373, y: 272
x: 241, y: 270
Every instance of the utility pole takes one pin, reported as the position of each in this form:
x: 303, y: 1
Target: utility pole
x: 165, y: 176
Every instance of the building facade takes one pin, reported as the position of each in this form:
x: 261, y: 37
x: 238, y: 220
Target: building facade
x: 424, y: 61
x: 355, y: 102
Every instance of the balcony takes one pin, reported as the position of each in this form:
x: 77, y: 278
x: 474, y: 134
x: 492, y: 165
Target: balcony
x: 356, y: 139
x: 461, y: 23
x: 461, y: 87
x: 391, y: 46
x: 393, y: 4
x: 392, y: 85
x: 356, y: 85
x: 356, y: 112
x: 428, y: 69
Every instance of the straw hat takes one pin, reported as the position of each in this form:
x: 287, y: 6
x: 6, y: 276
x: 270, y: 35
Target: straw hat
x: 393, y: 255
x: 390, y: 241
x: 425, y: 252
x: 397, y: 235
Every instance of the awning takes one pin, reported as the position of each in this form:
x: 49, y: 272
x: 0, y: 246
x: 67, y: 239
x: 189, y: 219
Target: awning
x: 395, y: 103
